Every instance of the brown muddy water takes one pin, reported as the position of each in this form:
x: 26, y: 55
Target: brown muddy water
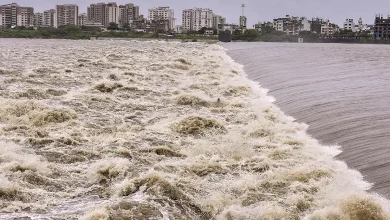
x: 158, y: 130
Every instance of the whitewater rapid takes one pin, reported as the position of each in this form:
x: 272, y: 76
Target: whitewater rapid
x: 158, y: 130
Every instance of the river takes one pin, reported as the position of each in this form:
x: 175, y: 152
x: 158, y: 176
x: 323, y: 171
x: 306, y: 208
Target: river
x: 341, y: 91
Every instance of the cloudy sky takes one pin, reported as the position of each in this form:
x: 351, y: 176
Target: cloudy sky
x: 256, y: 10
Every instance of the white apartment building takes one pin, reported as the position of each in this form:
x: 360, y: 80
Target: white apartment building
x: 163, y: 13
x: 25, y: 16
x: 38, y: 19
x: 197, y: 18
x: 349, y: 25
x: 49, y: 18
x: 112, y: 14
x: 82, y: 19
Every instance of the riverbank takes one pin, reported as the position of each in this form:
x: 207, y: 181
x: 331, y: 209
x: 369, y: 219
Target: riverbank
x: 158, y: 129
x: 85, y: 33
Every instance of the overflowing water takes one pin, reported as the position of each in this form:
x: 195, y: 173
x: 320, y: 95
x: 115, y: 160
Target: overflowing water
x: 342, y: 91
x: 157, y: 130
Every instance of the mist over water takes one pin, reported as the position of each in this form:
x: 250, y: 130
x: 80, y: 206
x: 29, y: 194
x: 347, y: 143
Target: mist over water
x: 341, y: 91
x: 158, y: 130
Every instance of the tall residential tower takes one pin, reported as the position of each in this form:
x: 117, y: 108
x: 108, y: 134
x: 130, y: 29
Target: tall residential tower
x: 67, y: 14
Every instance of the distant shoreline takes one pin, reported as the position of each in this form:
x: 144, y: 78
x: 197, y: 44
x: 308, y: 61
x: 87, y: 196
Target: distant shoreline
x: 112, y: 35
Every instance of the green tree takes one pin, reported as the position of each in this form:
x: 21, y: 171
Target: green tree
x: 112, y: 26
x: 202, y: 30
x: 346, y: 33
x: 72, y: 28
x: 191, y: 32
x: 251, y: 35
x: 265, y: 29
x: 126, y: 26
x: 237, y: 35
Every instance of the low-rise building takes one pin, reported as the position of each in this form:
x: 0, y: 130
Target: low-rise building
x: 178, y: 29
x: 260, y: 26
x: 93, y: 24
x: 228, y: 27
x: 291, y: 25
x: 349, y: 24
x: 209, y: 32
x: 139, y: 24
x: 83, y: 18
x: 328, y: 28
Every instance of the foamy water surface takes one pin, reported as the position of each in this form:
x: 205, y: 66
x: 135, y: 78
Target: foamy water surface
x: 157, y: 130
x: 340, y: 90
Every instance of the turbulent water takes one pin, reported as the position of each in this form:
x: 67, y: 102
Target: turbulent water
x: 341, y: 91
x: 157, y: 130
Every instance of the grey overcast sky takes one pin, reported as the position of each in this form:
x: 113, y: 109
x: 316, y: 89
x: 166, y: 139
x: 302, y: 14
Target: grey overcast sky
x: 256, y: 10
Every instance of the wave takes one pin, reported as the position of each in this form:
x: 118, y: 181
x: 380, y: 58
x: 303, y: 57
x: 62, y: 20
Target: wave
x: 163, y: 131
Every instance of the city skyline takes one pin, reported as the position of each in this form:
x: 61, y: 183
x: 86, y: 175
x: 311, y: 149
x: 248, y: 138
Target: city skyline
x: 256, y: 11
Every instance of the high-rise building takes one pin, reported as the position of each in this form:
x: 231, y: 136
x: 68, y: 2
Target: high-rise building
x: 82, y: 19
x: 127, y: 14
x: 163, y: 14
x: 97, y: 13
x: 107, y: 13
x: 218, y: 20
x: 49, y: 18
x: 112, y: 14
x: 67, y: 14
x: 38, y: 19
x: 16, y: 15
x: 187, y: 20
x: 197, y: 18
x: 25, y: 16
